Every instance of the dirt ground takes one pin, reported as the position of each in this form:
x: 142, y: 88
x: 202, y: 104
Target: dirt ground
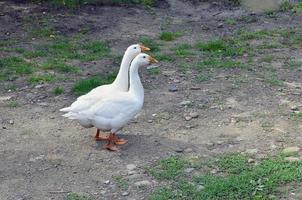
x: 45, y: 156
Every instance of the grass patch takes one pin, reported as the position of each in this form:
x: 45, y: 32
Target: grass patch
x: 40, y: 32
x: 183, y: 50
x: 60, y: 66
x: 293, y: 64
x: 219, y: 63
x: 267, y: 58
x: 13, y: 104
x: 231, y: 22
x: 15, y: 65
x: 285, y: 6
x: 237, y: 179
x: 41, y: 78
x: 95, y: 50
x: 297, y: 115
x: 149, y: 42
x: 169, y: 168
x: 169, y: 36
x: 121, y: 182
x: 83, y: 86
x: 154, y: 71
x: 203, y: 77
x: 58, y: 90
x: 75, y: 196
x: 272, y: 80
x: 220, y: 47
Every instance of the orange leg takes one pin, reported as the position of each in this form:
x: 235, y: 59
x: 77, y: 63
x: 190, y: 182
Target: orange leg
x: 111, y: 144
x: 99, y: 137
x: 118, y: 141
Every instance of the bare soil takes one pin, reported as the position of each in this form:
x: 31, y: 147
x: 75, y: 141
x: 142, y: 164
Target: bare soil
x: 45, y: 156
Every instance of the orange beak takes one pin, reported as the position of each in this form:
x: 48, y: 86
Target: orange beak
x: 152, y: 60
x: 143, y: 48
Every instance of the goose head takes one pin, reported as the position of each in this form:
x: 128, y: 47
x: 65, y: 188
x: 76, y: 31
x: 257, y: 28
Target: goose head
x: 135, y: 49
x: 144, y: 59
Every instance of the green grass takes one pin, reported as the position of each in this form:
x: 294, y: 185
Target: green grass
x: 83, y: 86
x: 154, y: 71
x: 41, y: 78
x: 40, y: 32
x: 75, y: 196
x: 183, y: 50
x: 219, y: 47
x: 121, y: 182
x: 149, y: 42
x: 203, y: 77
x: 236, y: 179
x: 13, y: 104
x: 169, y: 36
x: 169, y: 168
x: 219, y: 63
x: 298, y: 7
x: 297, y: 115
x: 164, y: 57
x: 267, y: 58
x: 291, y: 64
x: 35, y: 53
x: 60, y: 66
x: 285, y: 5
x: 58, y: 90
x: 15, y: 66
x: 273, y: 81
x: 94, y: 50
x: 231, y: 22
x: 78, y: 3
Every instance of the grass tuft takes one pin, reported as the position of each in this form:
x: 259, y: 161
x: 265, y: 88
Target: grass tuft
x: 60, y: 66
x: 169, y: 36
x: 58, y: 90
x: 83, y: 86
x: 75, y: 196
x: 168, y: 168
x: 149, y: 42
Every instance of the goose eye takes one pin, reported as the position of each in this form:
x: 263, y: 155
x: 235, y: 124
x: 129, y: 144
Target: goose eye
x: 144, y: 56
x: 134, y: 47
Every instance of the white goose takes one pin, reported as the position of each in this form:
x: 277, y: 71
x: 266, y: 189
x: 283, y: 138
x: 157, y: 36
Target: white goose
x: 113, y: 112
x: 120, y: 84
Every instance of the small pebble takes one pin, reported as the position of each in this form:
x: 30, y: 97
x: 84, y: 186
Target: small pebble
x: 188, y: 118
x: 251, y: 151
x: 142, y: 183
x: 220, y: 25
x: 106, y: 182
x: 125, y: 193
x: 130, y: 167
x: 250, y: 160
x: 11, y: 121
x: 189, y: 170
x: 179, y: 150
x: 150, y: 121
x: 173, y: 88
x: 188, y: 150
x: 184, y: 103
x: 194, y: 114
x: 199, y: 188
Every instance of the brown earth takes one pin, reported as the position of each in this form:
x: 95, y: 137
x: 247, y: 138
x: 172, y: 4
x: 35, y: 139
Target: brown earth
x: 44, y: 155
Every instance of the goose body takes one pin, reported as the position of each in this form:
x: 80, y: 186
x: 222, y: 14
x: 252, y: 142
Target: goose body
x: 113, y: 112
x: 84, y: 102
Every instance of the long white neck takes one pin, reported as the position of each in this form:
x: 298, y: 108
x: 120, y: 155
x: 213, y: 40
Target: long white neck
x: 121, y: 80
x: 136, y: 88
